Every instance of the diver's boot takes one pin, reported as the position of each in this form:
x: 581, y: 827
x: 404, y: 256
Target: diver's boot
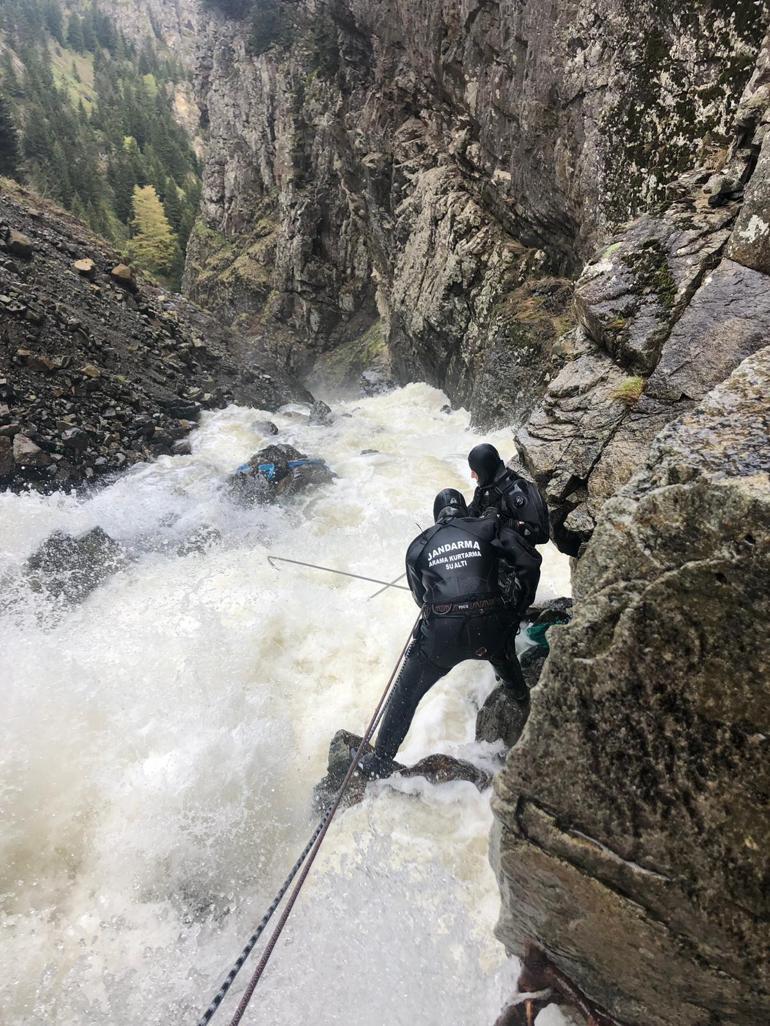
x: 375, y: 767
x: 519, y: 692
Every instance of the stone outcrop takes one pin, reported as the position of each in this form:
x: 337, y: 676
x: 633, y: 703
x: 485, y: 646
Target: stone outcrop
x: 631, y: 847
x: 70, y: 568
x: 437, y: 769
x: 666, y: 311
x: 99, y: 369
x: 420, y: 182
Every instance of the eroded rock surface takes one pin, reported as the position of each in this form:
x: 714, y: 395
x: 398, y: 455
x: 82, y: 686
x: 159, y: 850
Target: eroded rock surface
x: 667, y: 310
x: 630, y: 844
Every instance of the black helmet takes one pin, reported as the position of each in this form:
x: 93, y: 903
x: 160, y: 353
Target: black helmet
x: 449, y: 503
x: 485, y: 460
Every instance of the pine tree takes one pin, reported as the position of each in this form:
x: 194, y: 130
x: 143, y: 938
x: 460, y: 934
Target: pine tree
x: 153, y: 245
x: 11, y: 83
x: 9, y: 142
x: 37, y: 138
x: 122, y: 180
x: 75, y: 39
x: 173, y: 207
x: 53, y: 21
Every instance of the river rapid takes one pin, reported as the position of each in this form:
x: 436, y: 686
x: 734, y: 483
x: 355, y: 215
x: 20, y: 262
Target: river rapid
x: 160, y: 741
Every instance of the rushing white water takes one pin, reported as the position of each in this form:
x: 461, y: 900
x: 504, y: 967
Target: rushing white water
x: 159, y: 743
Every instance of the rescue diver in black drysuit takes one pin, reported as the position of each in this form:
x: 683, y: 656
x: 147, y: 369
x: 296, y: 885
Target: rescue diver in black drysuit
x: 522, y: 510
x: 452, y: 570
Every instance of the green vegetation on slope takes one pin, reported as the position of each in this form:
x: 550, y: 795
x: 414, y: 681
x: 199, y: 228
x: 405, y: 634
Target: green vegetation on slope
x: 93, y: 115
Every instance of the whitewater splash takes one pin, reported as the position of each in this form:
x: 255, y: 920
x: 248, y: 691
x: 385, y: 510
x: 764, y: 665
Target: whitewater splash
x: 160, y: 743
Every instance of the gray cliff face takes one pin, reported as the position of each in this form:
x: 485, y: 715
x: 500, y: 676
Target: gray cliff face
x: 666, y: 311
x: 630, y: 842
x: 418, y: 182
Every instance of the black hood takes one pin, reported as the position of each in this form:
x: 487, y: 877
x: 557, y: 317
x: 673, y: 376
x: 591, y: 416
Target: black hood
x: 449, y: 503
x: 485, y: 460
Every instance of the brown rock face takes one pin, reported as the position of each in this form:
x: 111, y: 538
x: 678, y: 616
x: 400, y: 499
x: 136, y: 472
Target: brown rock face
x: 631, y: 844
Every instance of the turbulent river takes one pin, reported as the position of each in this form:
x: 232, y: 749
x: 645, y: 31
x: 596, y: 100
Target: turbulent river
x: 160, y: 741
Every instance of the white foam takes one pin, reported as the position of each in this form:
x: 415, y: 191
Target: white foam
x: 160, y: 742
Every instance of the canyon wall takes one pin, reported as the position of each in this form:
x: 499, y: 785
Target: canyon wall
x: 417, y: 184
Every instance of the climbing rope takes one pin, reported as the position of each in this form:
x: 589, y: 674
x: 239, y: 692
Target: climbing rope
x: 343, y: 573
x: 307, y: 857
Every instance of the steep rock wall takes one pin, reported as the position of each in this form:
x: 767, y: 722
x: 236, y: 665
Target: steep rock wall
x: 631, y: 845
x: 666, y: 311
x: 419, y: 179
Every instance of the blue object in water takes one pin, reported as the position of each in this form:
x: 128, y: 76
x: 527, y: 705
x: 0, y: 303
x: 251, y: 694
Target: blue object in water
x: 269, y: 470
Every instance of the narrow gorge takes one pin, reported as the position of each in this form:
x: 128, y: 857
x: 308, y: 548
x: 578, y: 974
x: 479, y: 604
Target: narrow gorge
x: 558, y: 216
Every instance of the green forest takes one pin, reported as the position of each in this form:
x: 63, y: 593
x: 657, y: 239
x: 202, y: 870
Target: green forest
x: 86, y: 120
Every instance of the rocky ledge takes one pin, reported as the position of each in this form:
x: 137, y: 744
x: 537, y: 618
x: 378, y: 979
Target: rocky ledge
x: 99, y: 368
x: 630, y: 845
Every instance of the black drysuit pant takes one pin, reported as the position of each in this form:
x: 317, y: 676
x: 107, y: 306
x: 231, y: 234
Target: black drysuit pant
x: 441, y: 642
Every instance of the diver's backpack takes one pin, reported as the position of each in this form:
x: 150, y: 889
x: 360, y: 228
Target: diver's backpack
x: 521, y: 501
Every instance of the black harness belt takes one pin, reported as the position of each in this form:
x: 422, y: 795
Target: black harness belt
x: 473, y: 605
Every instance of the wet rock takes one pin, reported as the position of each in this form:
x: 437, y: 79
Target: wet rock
x: 437, y: 769
x: 321, y: 414
x: 122, y: 275
x: 199, y: 540
x: 627, y: 844
x: 501, y: 718
x: 71, y: 567
x: 559, y: 606
x: 442, y: 769
x: 532, y: 662
x: 265, y: 427
x: 376, y: 382
x: 19, y: 244
x: 269, y: 475
x: 6, y: 458
x: 27, y: 454
x: 750, y: 242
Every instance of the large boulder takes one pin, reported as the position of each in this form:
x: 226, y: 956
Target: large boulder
x: 276, y: 472
x: 70, y: 567
x: 630, y: 844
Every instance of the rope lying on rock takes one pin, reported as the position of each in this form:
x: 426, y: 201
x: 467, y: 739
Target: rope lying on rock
x: 307, y: 858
